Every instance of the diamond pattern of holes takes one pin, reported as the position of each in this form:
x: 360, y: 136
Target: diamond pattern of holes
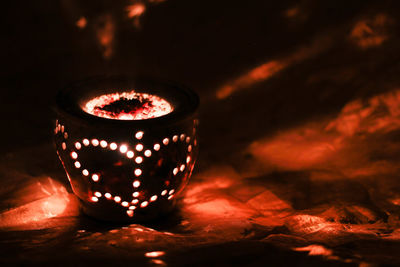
x: 129, y: 153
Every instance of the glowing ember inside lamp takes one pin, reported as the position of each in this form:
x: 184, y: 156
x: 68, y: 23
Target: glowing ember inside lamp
x: 128, y: 146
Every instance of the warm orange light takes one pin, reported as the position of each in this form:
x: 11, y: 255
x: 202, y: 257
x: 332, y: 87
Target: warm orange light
x: 154, y: 254
x: 146, y: 106
x: 81, y: 23
x: 136, y: 183
x: 135, y: 10
x: 371, y: 32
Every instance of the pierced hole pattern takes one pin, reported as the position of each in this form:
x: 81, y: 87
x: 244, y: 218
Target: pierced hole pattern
x: 124, y: 149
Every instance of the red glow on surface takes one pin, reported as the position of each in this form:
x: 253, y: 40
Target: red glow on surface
x: 135, y: 10
x: 257, y: 74
x: 292, y: 12
x: 315, y: 250
x: 154, y: 254
x: 271, y: 67
x: 371, y: 32
x: 334, y: 143
x: 45, y: 200
x: 105, y: 33
x: 81, y: 23
x: 146, y: 106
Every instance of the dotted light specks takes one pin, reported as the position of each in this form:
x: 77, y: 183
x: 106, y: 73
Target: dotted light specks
x: 95, y: 177
x: 123, y: 148
x: 139, y: 135
x: 136, y: 183
x: 138, y: 152
x: 157, y: 147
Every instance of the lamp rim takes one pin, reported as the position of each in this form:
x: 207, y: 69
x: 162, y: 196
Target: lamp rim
x: 69, y: 100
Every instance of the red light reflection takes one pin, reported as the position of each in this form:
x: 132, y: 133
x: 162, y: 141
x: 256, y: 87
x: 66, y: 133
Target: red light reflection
x: 371, y: 32
x: 334, y: 143
x: 270, y: 68
x: 37, y: 203
x: 154, y: 254
x: 105, y: 31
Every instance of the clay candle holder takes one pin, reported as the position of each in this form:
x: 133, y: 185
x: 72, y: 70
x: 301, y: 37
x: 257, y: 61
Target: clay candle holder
x: 128, y: 146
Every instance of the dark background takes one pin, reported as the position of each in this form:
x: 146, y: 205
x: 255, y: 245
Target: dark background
x: 208, y: 45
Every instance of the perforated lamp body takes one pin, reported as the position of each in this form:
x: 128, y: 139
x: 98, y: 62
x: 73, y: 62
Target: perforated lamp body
x: 126, y: 170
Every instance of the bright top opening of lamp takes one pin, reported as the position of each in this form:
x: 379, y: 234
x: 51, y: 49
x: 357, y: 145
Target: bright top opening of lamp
x: 128, y: 106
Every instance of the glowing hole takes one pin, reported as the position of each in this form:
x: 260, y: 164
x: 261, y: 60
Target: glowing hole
x: 117, y: 199
x: 95, y: 177
x: 85, y: 172
x: 77, y: 164
x: 130, y: 213
x: 195, y: 142
x: 171, y: 196
x: 125, y: 204
x: 62, y: 128
x: 182, y: 167
x: 171, y: 191
x: 165, y: 141
x: 164, y: 192
x: 113, y: 146
x: 154, y: 254
x: 153, y: 198
x: 182, y: 137
x: 74, y: 155
x: 139, y: 160
x: 138, y: 172
x: 175, y: 138
x: 78, y: 145
x: 139, y: 135
x: 130, y: 154
x: 132, y: 207
x: 144, y: 204
x: 95, y: 142
x: 157, y: 147
x: 190, y: 148
x: 123, y: 149
x: 107, y: 195
x: 97, y: 194
x: 135, y: 194
x: 64, y: 146
x: 95, y: 199
x: 65, y: 135
x: 85, y: 142
x: 175, y: 171
x: 139, y: 147
x: 103, y: 144
x: 147, y: 153
x: 187, y: 159
x: 135, y: 201
x: 136, y: 183
x: 187, y: 139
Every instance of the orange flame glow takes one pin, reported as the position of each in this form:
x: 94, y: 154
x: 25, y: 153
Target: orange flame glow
x: 152, y: 107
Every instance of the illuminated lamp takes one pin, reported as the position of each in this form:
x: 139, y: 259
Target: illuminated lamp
x: 116, y: 138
